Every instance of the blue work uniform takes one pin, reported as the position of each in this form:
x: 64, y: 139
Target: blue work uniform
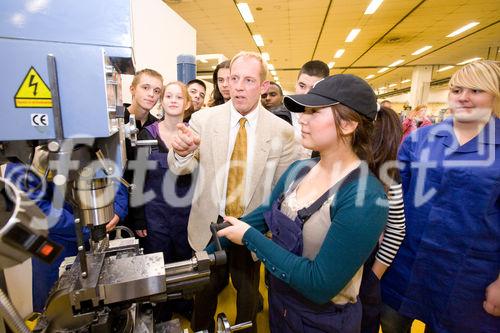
x: 61, y: 231
x: 289, y: 311
x: 451, y: 252
x: 166, y: 215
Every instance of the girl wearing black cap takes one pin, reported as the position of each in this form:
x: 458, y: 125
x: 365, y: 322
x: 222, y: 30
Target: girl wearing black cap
x: 325, y: 214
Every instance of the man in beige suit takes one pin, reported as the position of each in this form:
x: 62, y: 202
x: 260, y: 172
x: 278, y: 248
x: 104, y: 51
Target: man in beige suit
x: 264, y: 146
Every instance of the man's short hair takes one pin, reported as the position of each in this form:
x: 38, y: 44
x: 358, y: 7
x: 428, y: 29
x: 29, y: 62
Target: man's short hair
x: 315, y: 68
x: 255, y: 55
x: 200, y: 82
x: 277, y: 85
x: 146, y: 71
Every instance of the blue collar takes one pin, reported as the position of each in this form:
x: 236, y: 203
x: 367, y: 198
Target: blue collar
x: 486, y: 136
x: 489, y: 135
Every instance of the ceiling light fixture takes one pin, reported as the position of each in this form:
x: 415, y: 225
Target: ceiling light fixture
x: 266, y: 56
x: 462, y: 29
x: 339, y: 53
x: 245, y: 12
x: 422, y: 50
x: 406, y: 81
x: 352, y: 35
x: 393, y: 85
x: 385, y: 69
x: 331, y: 64
x: 397, y: 62
x: 258, y: 40
x: 205, y: 57
x: 373, y: 6
x: 371, y: 76
x: 468, y: 61
x: 445, y: 68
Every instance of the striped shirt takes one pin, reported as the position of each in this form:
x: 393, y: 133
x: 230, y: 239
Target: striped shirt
x: 395, y: 229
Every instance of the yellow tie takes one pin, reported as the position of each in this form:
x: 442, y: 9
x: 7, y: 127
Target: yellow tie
x: 236, y: 176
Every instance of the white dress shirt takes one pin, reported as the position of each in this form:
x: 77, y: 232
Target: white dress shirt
x: 250, y: 127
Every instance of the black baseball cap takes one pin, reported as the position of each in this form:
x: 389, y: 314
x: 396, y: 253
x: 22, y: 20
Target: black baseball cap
x: 345, y: 89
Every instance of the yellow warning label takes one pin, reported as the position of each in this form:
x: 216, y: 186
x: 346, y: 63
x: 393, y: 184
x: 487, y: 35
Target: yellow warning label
x: 33, y: 92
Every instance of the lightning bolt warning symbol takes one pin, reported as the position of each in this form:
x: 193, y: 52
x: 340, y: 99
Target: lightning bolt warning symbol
x: 33, y: 84
x: 33, y: 92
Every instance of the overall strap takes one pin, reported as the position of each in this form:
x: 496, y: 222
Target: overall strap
x: 301, y: 173
x: 305, y: 213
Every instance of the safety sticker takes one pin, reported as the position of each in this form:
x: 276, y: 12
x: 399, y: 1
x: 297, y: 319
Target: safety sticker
x: 33, y: 92
x: 39, y: 120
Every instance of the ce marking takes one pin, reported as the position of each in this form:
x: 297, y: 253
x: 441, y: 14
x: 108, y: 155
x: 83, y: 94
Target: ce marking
x: 39, y: 120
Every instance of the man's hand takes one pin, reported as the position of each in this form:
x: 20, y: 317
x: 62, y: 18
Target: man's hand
x: 186, y: 140
x: 112, y: 223
x: 235, y: 232
x: 492, y: 302
x: 141, y: 233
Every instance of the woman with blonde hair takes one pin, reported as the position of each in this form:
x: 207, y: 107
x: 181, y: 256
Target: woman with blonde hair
x: 162, y: 223
x: 161, y: 210
x: 416, y: 118
x: 446, y: 272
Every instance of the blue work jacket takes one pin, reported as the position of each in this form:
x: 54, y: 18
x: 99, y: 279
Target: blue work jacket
x: 451, y: 252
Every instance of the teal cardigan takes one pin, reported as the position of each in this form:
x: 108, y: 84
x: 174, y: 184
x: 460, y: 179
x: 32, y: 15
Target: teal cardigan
x: 352, y: 236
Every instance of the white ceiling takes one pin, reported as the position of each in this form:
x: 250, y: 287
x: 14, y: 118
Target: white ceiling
x: 296, y: 31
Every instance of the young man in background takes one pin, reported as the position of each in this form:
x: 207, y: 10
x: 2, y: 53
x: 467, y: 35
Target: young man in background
x: 310, y: 73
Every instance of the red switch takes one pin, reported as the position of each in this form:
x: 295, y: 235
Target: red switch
x: 46, y: 250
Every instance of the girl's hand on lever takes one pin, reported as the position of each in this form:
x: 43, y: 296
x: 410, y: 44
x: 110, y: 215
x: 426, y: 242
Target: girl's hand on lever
x: 234, y: 232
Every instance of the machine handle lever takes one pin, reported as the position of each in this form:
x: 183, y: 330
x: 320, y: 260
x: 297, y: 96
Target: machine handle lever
x: 145, y: 143
x: 223, y: 325
x: 214, y: 227
x: 109, y: 170
x: 220, y: 254
x: 220, y: 226
x: 241, y: 326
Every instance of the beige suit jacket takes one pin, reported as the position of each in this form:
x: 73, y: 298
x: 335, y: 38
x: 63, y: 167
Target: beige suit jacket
x: 275, y: 149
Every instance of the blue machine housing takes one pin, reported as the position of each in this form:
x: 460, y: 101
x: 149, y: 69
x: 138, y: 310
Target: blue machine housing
x: 88, y: 39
